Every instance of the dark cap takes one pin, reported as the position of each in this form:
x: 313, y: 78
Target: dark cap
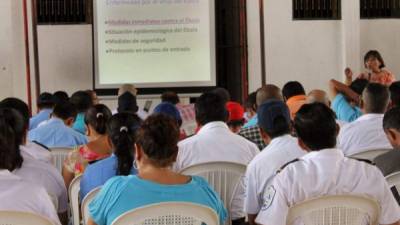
x: 127, y: 103
x: 169, y: 109
x: 269, y: 111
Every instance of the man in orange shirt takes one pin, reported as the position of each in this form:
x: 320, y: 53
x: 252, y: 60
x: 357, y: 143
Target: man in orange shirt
x: 295, y: 96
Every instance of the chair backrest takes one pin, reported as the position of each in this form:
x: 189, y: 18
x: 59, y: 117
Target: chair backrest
x: 224, y: 177
x: 370, y: 154
x: 22, y: 218
x: 59, y: 156
x: 393, y: 180
x: 85, y: 204
x: 169, y: 213
x: 336, y: 210
x: 73, y: 193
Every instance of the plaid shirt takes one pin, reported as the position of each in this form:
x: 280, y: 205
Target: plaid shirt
x: 253, y: 134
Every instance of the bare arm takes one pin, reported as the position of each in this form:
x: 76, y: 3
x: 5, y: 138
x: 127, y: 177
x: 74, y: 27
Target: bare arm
x: 91, y: 222
x: 349, y: 76
x: 252, y: 219
x: 338, y: 87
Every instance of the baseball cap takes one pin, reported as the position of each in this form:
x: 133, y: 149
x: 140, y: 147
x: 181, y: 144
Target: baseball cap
x: 168, y: 109
x: 270, y: 111
x: 236, y: 111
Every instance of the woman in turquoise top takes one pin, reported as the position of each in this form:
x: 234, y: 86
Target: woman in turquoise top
x: 156, y: 150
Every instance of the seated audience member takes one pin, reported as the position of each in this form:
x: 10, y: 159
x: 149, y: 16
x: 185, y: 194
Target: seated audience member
x: 253, y: 133
x: 366, y: 133
x: 169, y: 109
x: 155, y: 151
x: 17, y: 193
x: 223, y: 93
x: 82, y: 102
x: 346, y: 99
x: 35, y: 150
x: 93, y: 95
x: 131, y: 89
x: 395, y: 94
x: 215, y: 142
x: 59, y: 97
x: 121, y: 130
x: 127, y: 103
x: 236, y: 114
x: 45, y: 104
x: 295, y: 96
x: 323, y: 171
x: 275, y: 124
x: 57, y: 132
x: 250, y: 106
x: 97, y: 148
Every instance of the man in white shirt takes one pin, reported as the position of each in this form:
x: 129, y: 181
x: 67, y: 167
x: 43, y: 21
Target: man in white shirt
x: 215, y: 142
x: 366, y: 133
x: 323, y: 171
x: 274, y: 122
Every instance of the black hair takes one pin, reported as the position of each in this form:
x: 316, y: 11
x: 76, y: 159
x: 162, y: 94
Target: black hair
x: 374, y: 54
x: 292, y: 88
x: 97, y: 117
x: 280, y: 127
x: 158, y: 136
x: 171, y: 97
x: 391, y: 120
x: 395, y: 93
x: 18, y: 105
x: 45, y: 101
x: 235, y: 123
x: 251, y: 101
x: 210, y: 107
x: 92, y: 94
x: 121, y: 129
x: 65, y: 111
x: 127, y: 103
x: 223, y: 93
x: 60, y: 97
x: 358, y: 85
x: 12, y: 134
x: 376, y: 98
x: 82, y: 101
x: 315, y: 124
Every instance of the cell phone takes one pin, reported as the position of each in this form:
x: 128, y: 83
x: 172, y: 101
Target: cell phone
x: 147, y: 105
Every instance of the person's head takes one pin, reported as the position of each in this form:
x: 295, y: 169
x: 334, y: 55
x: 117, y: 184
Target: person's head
x: 127, y: 88
x: 121, y: 130
x: 315, y: 126
x: 291, y: 89
x: 18, y: 105
x: 250, y: 105
x: 223, y: 93
x: 210, y: 107
x: 395, y: 94
x: 12, y: 133
x: 157, y: 142
x: 81, y: 100
x: 170, y: 110
x: 268, y: 92
x: 93, y: 95
x: 373, y: 60
x: 127, y: 103
x: 318, y: 96
x: 375, y: 99
x: 171, y: 97
x: 45, y: 101
x: 96, y: 119
x: 391, y: 126
x: 60, y: 97
x: 273, y: 119
x: 66, y: 112
x: 236, y: 116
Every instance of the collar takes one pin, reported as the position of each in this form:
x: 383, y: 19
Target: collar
x: 212, y: 126
x: 370, y: 116
x: 55, y: 120
x: 7, y: 175
x: 296, y: 98
x: 46, y: 111
x: 283, y: 138
x: 330, y: 152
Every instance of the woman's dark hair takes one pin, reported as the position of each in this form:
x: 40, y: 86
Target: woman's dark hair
x: 18, y: 105
x: 81, y: 100
x: 251, y: 101
x: 158, y: 136
x: 210, y: 107
x: 121, y: 129
x: 97, y: 117
x: 12, y: 133
x: 376, y: 55
x: 292, y: 88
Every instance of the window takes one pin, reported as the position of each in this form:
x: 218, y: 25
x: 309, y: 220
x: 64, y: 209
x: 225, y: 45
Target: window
x: 316, y: 9
x: 373, y: 9
x: 63, y: 11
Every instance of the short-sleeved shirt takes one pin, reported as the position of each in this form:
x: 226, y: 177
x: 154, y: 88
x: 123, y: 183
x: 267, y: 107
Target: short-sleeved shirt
x: 263, y: 167
x: 253, y: 134
x: 325, y: 172
x: 55, y: 133
x: 344, y: 110
x: 79, y: 158
x: 79, y: 124
x: 99, y: 173
x: 295, y: 103
x: 42, y: 116
x: 124, y: 193
x: 366, y: 133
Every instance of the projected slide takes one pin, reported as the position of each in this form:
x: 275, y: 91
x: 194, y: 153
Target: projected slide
x: 154, y: 43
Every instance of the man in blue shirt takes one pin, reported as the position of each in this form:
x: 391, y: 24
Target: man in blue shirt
x: 57, y: 132
x: 45, y: 106
x: 82, y: 102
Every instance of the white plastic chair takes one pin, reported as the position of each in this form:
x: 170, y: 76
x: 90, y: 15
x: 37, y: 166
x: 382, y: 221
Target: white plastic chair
x: 336, y: 210
x: 59, y: 156
x: 85, y: 204
x: 370, y: 154
x: 73, y: 193
x: 393, y: 180
x: 22, y: 218
x: 224, y: 177
x: 169, y: 213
